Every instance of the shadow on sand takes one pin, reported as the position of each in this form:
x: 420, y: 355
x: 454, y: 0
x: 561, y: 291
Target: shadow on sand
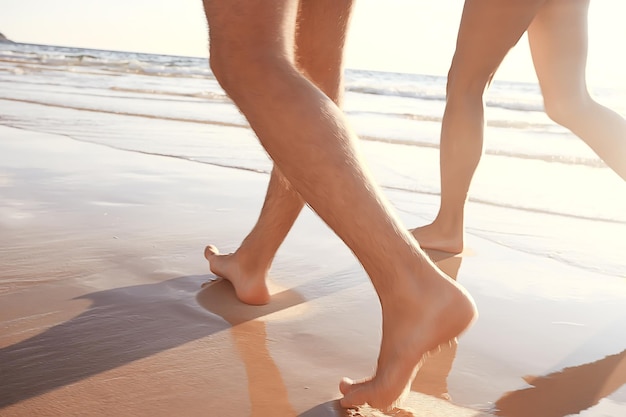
x: 122, y: 325
x: 566, y: 392
x: 126, y: 324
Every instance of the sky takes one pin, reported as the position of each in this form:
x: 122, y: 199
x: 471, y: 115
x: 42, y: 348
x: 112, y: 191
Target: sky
x: 415, y: 36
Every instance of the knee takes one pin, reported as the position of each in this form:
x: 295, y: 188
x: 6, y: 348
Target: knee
x: 326, y: 75
x: 217, y: 66
x: 226, y: 69
x: 465, y: 86
x: 566, y: 109
x: 239, y: 69
x: 230, y: 46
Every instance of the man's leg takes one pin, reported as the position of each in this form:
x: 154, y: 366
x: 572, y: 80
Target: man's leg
x: 247, y: 268
x: 321, y: 32
x: 488, y: 30
x: 305, y: 133
x: 558, y: 43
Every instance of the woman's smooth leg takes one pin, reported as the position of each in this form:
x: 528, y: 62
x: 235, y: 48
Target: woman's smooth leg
x: 488, y: 30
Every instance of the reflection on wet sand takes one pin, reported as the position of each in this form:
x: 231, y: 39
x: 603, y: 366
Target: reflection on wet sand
x: 566, y: 392
x: 266, y: 388
x: 432, y: 378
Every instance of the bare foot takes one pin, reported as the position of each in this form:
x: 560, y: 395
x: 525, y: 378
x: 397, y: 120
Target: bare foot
x: 250, y: 286
x: 433, y: 236
x: 415, y: 322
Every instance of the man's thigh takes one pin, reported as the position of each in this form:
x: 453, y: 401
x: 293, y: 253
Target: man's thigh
x: 247, y: 25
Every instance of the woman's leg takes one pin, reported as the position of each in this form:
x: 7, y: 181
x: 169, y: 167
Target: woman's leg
x: 488, y: 30
x: 322, y: 27
x: 558, y: 43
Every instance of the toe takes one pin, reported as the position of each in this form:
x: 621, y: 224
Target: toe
x: 210, y: 251
x: 355, y: 393
x: 346, y: 385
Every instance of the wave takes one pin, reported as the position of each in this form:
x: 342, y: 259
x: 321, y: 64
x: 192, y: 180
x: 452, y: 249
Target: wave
x: 71, y: 59
x: 120, y: 113
x: 512, y: 96
x: 437, y: 93
x: 562, y: 159
x: 505, y: 123
x: 505, y: 205
x: 202, y: 94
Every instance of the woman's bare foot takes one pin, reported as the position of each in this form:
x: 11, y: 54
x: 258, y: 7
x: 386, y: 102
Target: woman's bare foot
x: 416, y: 321
x: 250, y: 286
x: 434, y: 236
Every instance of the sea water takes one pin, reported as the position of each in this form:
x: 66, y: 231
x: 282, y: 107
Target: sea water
x: 538, y: 189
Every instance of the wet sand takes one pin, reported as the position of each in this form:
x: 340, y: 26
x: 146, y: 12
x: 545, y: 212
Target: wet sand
x: 102, y: 310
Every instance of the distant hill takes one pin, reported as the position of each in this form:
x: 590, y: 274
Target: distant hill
x: 4, y: 38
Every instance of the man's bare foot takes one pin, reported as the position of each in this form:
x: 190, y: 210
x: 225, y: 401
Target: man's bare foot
x: 415, y: 322
x: 250, y: 286
x: 433, y: 236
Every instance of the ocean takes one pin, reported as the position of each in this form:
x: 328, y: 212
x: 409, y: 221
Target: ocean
x: 539, y: 188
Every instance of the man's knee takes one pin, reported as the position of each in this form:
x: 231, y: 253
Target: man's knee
x: 227, y: 60
x: 237, y: 52
x: 219, y: 64
x: 239, y: 68
x: 327, y: 76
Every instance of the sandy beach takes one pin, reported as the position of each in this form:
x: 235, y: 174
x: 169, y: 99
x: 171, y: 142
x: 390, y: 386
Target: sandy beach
x: 118, y: 168
x: 102, y: 310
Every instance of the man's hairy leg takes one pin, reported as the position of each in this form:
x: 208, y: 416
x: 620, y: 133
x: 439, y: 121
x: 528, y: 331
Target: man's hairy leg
x: 320, y: 39
x: 307, y: 136
x: 247, y: 268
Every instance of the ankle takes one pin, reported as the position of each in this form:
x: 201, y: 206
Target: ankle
x: 412, y: 282
x: 252, y: 262
x: 449, y: 223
